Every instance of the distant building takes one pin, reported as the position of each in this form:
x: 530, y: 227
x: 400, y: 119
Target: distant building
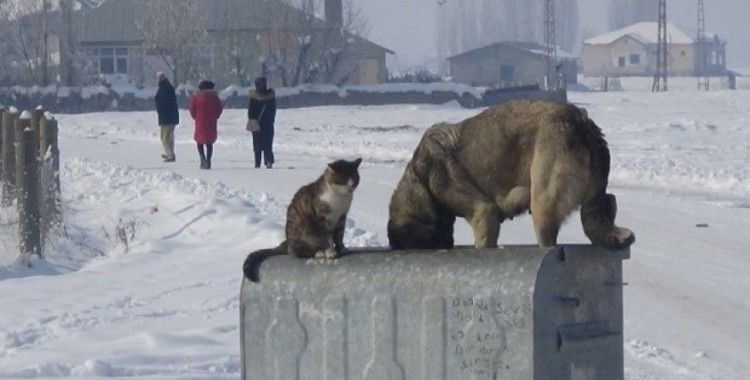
x: 631, y: 51
x: 239, y: 39
x: 508, y: 64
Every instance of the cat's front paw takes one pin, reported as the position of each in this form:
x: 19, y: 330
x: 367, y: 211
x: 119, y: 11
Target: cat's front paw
x: 328, y: 254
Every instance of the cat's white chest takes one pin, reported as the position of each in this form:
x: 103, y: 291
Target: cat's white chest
x: 338, y: 198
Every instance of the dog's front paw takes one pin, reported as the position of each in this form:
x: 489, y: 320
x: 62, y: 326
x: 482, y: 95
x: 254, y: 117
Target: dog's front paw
x: 330, y: 254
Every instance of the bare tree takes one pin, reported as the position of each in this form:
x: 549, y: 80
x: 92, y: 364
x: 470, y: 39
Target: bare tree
x: 626, y: 12
x: 26, y: 38
x: 5, y: 46
x: 175, y: 30
x: 238, y: 44
x: 67, y: 44
x: 567, y: 24
x: 467, y: 24
x: 298, y: 47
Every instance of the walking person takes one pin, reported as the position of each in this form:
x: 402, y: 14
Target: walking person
x: 205, y: 109
x: 262, y: 107
x: 169, y: 117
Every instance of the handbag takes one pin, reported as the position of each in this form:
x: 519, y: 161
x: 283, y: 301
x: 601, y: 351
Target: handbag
x: 252, y: 124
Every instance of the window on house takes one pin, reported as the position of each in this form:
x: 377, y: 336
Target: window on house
x: 506, y: 72
x: 621, y: 61
x: 106, y: 65
x: 109, y: 60
x: 122, y: 65
x: 635, y: 59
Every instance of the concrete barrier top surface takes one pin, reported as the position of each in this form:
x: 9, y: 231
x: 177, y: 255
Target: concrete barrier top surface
x: 386, y: 262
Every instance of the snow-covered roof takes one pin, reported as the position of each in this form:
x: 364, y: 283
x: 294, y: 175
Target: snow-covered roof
x: 527, y: 46
x: 645, y: 32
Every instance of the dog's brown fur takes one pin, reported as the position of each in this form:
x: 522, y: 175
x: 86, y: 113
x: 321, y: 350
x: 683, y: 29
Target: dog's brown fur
x: 548, y: 157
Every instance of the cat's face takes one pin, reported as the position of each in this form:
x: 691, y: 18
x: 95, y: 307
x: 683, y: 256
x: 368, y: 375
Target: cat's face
x: 343, y: 174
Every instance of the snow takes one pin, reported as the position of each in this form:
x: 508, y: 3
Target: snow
x: 645, y: 32
x: 145, y: 282
x: 676, y: 84
x: 140, y: 92
x: 426, y: 88
x: 91, y: 91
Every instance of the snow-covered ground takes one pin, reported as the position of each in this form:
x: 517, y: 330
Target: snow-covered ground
x: 145, y: 282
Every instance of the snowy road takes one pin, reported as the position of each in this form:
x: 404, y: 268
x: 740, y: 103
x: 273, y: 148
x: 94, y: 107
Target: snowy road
x: 146, y: 284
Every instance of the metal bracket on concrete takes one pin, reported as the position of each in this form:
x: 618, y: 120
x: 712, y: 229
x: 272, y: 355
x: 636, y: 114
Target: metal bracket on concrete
x: 518, y: 312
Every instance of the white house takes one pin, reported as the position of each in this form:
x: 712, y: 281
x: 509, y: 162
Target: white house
x: 631, y: 51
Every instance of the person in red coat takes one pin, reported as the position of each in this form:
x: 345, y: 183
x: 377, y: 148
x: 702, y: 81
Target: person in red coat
x: 205, y: 109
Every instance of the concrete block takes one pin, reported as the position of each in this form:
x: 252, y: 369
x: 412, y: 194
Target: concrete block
x: 518, y: 312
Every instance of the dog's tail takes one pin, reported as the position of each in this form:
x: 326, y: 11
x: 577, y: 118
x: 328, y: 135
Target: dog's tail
x: 254, y: 259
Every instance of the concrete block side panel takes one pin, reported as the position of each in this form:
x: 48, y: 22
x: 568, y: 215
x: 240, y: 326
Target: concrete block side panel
x: 335, y: 338
x: 384, y: 362
x: 578, y: 315
x: 462, y: 314
x: 434, y: 339
x: 286, y: 340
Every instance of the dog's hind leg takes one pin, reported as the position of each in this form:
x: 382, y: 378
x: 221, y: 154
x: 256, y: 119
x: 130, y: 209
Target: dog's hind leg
x: 598, y: 218
x: 546, y: 222
x: 558, y: 184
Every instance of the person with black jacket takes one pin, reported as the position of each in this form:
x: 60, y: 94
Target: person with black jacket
x: 169, y: 117
x: 262, y: 107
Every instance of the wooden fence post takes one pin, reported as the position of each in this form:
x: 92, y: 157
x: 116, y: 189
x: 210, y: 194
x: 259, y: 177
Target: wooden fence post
x: 50, y: 153
x: 36, y: 125
x: 2, y: 111
x: 9, y: 156
x: 27, y: 177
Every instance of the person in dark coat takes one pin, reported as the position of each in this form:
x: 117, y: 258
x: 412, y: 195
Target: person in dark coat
x: 262, y: 108
x: 205, y: 109
x: 169, y: 117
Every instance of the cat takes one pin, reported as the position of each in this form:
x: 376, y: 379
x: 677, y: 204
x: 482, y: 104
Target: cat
x: 316, y: 218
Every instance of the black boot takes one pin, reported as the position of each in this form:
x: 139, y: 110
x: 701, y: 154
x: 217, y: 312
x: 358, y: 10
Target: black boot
x: 202, y: 155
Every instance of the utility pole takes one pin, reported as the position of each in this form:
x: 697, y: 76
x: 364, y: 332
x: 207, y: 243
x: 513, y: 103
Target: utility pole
x: 550, y: 42
x: 702, y: 52
x: 660, y: 76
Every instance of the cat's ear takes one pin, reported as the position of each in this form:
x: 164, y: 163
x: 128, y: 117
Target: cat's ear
x: 335, y: 166
x: 357, y: 162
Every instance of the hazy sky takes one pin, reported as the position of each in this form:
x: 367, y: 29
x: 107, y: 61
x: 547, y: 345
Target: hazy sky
x: 408, y: 26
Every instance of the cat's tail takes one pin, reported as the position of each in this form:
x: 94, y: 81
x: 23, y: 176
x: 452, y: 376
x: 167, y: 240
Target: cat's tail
x: 254, y: 259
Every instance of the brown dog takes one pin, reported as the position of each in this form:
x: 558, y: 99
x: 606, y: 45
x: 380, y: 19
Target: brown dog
x: 548, y: 157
